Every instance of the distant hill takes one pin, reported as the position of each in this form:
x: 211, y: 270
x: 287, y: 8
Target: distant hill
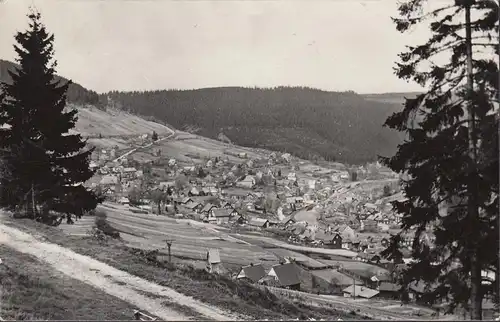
x: 100, y: 121
x: 76, y: 93
x: 310, y: 123
x: 392, y: 98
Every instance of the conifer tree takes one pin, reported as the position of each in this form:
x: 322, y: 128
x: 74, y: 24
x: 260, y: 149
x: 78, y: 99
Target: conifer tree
x: 44, y: 166
x: 452, y: 194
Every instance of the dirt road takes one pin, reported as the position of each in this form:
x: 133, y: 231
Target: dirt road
x: 111, y: 280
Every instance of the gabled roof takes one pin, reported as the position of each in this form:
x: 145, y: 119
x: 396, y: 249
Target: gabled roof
x: 207, y: 207
x: 361, y: 291
x: 287, y: 219
x: 253, y: 272
x: 388, y: 287
x: 219, y: 213
x: 191, y: 205
x: 257, y: 222
x: 287, y: 274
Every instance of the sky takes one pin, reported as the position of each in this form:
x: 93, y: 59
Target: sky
x: 124, y: 45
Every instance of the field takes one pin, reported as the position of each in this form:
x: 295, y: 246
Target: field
x: 189, y: 148
x: 93, y: 121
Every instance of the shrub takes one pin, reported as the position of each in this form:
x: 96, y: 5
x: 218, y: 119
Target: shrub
x: 102, y: 225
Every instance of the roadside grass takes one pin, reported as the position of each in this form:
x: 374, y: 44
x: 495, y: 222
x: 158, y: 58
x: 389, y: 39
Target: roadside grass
x: 31, y: 290
x: 242, y: 298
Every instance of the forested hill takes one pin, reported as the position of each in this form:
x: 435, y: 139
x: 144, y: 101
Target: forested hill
x: 76, y: 93
x: 309, y: 123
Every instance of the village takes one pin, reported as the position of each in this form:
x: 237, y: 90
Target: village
x: 341, y: 216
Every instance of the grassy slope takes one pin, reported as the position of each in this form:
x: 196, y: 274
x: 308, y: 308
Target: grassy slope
x: 32, y: 290
x: 93, y: 121
x: 236, y: 296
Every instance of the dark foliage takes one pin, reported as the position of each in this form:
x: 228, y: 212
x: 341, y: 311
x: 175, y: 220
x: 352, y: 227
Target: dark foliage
x: 307, y: 122
x: 75, y: 94
x: 451, y: 196
x: 43, y: 167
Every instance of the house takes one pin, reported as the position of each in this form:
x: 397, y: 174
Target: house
x: 259, y: 222
x: 286, y: 275
x: 336, y: 241
x: 287, y: 221
x: 345, y: 231
x: 248, y: 182
x: 128, y: 173
x: 193, y: 192
x: 252, y: 272
x: 359, y: 291
x: 389, y: 290
x: 186, y: 200
x: 206, y: 209
x: 109, y: 180
x: 221, y: 215
x: 124, y: 201
x: 213, y: 260
x: 193, y: 206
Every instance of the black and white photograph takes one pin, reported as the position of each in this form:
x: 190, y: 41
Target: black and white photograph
x: 243, y: 160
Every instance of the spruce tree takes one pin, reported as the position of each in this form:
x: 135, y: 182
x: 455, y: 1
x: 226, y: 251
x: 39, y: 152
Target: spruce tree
x: 450, y: 156
x: 44, y: 166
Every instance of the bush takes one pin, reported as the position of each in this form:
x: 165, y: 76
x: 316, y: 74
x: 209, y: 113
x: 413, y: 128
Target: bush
x: 102, y: 225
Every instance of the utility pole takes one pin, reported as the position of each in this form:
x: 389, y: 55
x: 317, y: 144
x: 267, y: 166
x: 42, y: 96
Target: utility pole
x: 476, y: 297
x: 169, y: 245
x: 354, y: 288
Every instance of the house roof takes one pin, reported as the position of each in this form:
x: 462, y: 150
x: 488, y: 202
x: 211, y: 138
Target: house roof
x: 207, y: 207
x: 221, y: 212
x: 254, y: 272
x: 191, y: 205
x: 109, y: 180
x: 361, y: 291
x: 287, y: 274
x: 257, y: 222
x: 185, y: 200
x: 287, y: 219
x: 388, y: 287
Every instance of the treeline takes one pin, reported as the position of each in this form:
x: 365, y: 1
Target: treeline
x: 310, y: 123
x: 75, y: 94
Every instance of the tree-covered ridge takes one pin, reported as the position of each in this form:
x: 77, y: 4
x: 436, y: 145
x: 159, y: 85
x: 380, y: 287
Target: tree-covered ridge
x: 308, y: 122
x: 75, y: 94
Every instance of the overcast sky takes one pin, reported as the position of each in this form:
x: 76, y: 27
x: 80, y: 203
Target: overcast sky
x: 136, y: 45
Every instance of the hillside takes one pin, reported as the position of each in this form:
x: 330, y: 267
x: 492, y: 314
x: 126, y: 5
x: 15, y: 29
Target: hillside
x: 76, y: 92
x: 309, y: 123
x: 95, y: 120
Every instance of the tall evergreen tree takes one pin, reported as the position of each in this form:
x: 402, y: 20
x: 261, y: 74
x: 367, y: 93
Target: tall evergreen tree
x: 44, y: 166
x: 451, y: 193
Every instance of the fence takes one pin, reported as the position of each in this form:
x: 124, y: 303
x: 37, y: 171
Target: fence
x: 139, y: 316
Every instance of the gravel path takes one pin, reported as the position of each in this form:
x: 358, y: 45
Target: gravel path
x: 111, y: 280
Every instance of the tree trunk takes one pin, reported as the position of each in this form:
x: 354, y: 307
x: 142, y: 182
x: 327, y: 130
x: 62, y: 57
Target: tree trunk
x: 476, y: 294
x: 33, y: 200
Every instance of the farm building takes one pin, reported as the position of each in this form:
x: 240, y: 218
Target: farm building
x: 186, y: 200
x: 248, y: 182
x: 221, y: 215
x: 287, y: 221
x: 389, y: 290
x: 359, y: 291
x: 285, y: 275
x: 258, y: 222
x: 331, y: 281
x: 193, y: 206
x: 213, y: 261
x: 207, y: 208
x: 252, y: 272
x: 124, y: 201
